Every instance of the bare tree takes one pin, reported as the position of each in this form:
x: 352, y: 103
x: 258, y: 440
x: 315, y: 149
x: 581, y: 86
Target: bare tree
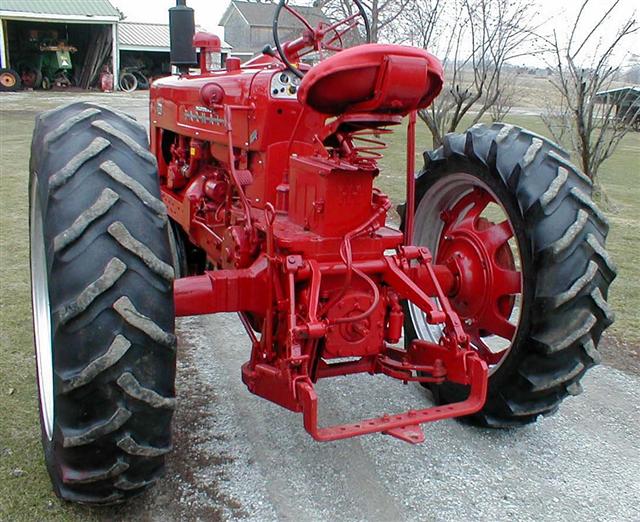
x: 592, y: 124
x: 474, y: 39
x: 505, y: 100
x: 422, y: 24
x: 382, y: 14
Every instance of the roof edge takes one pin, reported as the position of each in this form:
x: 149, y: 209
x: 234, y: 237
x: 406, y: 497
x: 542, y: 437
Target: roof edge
x: 25, y: 15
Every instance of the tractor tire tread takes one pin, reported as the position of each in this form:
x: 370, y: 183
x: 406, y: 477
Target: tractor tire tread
x: 111, y: 281
x: 567, y: 233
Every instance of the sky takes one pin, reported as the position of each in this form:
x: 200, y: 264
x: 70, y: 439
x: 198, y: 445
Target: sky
x: 554, y: 14
x: 208, y: 12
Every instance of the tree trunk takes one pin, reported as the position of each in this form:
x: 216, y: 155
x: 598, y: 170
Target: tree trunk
x: 436, y: 137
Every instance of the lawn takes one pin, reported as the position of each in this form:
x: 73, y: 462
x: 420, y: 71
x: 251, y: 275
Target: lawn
x: 25, y: 492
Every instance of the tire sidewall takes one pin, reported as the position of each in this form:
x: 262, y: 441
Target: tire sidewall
x: 48, y: 445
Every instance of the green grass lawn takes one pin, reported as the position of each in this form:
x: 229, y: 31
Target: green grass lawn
x: 25, y: 491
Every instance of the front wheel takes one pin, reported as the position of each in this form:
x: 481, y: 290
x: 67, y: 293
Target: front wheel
x: 513, y: 220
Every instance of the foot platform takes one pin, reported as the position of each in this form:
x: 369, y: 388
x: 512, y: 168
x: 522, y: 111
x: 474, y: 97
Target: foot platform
x: 404, y: 426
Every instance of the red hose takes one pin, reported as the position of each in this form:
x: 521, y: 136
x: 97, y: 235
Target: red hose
x: 347, y: 256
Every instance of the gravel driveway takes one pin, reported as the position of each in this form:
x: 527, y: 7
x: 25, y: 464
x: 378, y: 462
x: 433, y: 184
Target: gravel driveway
x: 239, y: 457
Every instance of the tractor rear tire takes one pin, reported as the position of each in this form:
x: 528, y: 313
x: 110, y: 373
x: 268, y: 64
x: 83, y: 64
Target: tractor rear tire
x: 102, y: 288
x: 565, y: 270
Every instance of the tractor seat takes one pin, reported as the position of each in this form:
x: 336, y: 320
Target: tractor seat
x: 373, y: 78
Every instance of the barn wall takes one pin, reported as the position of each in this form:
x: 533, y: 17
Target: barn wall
x: 236, y: 31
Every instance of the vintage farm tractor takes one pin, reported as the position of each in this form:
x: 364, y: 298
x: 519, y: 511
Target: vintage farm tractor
x: 258, y: 196
x: 47, y: 62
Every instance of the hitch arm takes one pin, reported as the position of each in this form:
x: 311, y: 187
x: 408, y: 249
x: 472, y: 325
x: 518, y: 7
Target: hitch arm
x: 403, y: 425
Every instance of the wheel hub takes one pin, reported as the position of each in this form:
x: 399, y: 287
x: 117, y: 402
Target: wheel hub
x: 464, y: 224
x: 7, y: 80
x: 476, y: 250
x: 465, y: 256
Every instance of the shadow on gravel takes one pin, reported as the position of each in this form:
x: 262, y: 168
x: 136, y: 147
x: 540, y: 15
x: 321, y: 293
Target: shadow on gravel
x: 189, y: 489
x: 621, y: 355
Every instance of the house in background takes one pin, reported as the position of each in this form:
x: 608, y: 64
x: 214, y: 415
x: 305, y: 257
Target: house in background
x: 248, y: 26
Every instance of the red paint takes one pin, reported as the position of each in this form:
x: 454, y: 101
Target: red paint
x: 477, y: 252
x: 277, y: 190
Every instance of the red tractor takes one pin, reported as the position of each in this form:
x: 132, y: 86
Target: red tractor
x: 257, y: 195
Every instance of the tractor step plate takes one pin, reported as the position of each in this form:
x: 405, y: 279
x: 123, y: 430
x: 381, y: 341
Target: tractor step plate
x: 404, y: 426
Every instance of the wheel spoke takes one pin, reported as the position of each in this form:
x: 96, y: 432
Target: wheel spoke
x: 474, y: 202
x: 507, y: 282
x: 486, y: 353
x: 332, y: 48
x: 496, y: 235
x: 489, y: 356
x: 341, y: 22
x: 340, y: 34
x: 499, y: 326
x: 308, y: 51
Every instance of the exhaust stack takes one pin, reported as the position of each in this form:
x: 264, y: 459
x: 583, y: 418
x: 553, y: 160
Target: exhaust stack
x: 182, y: 28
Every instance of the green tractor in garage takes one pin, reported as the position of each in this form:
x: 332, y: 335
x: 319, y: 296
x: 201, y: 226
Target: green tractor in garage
x: 47, y: 61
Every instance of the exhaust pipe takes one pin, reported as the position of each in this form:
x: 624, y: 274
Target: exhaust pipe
x: 182, y: 27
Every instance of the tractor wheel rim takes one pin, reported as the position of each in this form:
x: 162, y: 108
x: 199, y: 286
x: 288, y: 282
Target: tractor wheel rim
x: 484, y: 256
x: 8, y: 80
x: 41, y: 313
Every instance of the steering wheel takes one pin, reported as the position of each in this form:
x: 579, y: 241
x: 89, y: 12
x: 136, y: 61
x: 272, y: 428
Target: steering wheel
x: 324, y: 37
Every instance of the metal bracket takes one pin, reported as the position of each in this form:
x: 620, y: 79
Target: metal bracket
x: 412, y: 434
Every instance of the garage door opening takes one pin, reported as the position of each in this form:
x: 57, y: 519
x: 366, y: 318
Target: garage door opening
x: 47, y: 54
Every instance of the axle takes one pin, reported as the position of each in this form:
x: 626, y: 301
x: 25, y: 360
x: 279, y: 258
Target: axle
x: 244, y: 290
x: 306, y: 320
